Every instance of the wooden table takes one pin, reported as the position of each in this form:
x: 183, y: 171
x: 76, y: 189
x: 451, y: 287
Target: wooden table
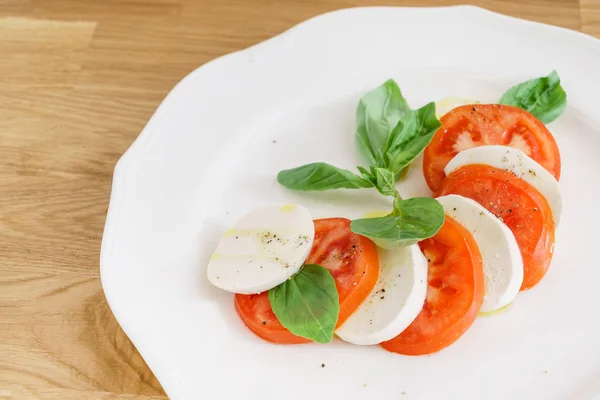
x: 78, y: 81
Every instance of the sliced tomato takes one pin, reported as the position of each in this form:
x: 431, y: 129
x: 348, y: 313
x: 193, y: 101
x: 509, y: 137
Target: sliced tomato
x: 484, y: 124
x: 522, y: 208
x: 352, y: 260
x: 256, y: 313
x: 454, y: 293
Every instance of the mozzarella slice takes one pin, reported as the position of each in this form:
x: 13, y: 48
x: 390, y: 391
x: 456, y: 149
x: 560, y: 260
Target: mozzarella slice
x: 515, y: 161
x: 500, y: 254
x: 395, y: 301
x: 263, y: 249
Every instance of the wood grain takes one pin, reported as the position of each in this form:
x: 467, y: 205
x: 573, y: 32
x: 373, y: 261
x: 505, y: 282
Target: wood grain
x: 79, y: 79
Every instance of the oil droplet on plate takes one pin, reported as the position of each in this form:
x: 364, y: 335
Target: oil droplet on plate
x: 375, y: 214
x: 288, y: 207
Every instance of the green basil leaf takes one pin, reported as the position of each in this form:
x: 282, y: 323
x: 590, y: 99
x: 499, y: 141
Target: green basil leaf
x: 410, y: 137
x: 543, y: 97
x: 368, y: 175
x: 377, y: 114
x: 385, y: 181
x: 412, y: 221
x: 321, y: 176
x: 307, y: 304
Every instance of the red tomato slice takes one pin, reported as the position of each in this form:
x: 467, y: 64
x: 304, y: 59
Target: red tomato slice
x: 352, y: 260
x: 454, y: 293
x: 522, y: 208
x: 484, y: 124
x: 256, y: 313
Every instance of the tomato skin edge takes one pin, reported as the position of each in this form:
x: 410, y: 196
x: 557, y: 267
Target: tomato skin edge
x: 453, y: 332
x: 536, y: 264
x: 277, y: 337
x: 362, y: 291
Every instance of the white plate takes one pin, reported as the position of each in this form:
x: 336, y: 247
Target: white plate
x: 211, y: 153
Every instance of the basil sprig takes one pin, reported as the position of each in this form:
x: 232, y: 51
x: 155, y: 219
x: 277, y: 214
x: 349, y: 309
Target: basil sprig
x: 307, y: 304
x: 543, y: 97
x: 389, y: 135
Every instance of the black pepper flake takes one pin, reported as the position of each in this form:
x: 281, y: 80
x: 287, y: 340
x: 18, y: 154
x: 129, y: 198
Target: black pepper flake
x: 428, y: 260
x: 382, y: 297
x: 382, y: 290
x: 509, y: 210
x: 237, y: 237
x: 322, y: 365
x: 454, y: 208
x: 473, y: 108
x: 264, y: 322
x: 534, y: 208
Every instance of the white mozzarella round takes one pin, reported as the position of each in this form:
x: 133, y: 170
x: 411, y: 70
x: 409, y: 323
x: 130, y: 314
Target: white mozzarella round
x: 515, y: 161
x: 500, y: 254
x: 395, y: 301
x: 263, y: 249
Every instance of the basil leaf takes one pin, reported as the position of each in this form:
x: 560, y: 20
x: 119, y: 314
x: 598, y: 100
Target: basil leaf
x: 410, y: 137
x: 412, y: 221
x: 377, y: 114
x: 368, y: 175
x: 543, y: 97
x: 385, y: 181
x: 321, y: 176
x: 307, y: 304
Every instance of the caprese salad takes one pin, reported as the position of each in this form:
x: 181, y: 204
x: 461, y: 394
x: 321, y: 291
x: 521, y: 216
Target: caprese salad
x: 413, y: 279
